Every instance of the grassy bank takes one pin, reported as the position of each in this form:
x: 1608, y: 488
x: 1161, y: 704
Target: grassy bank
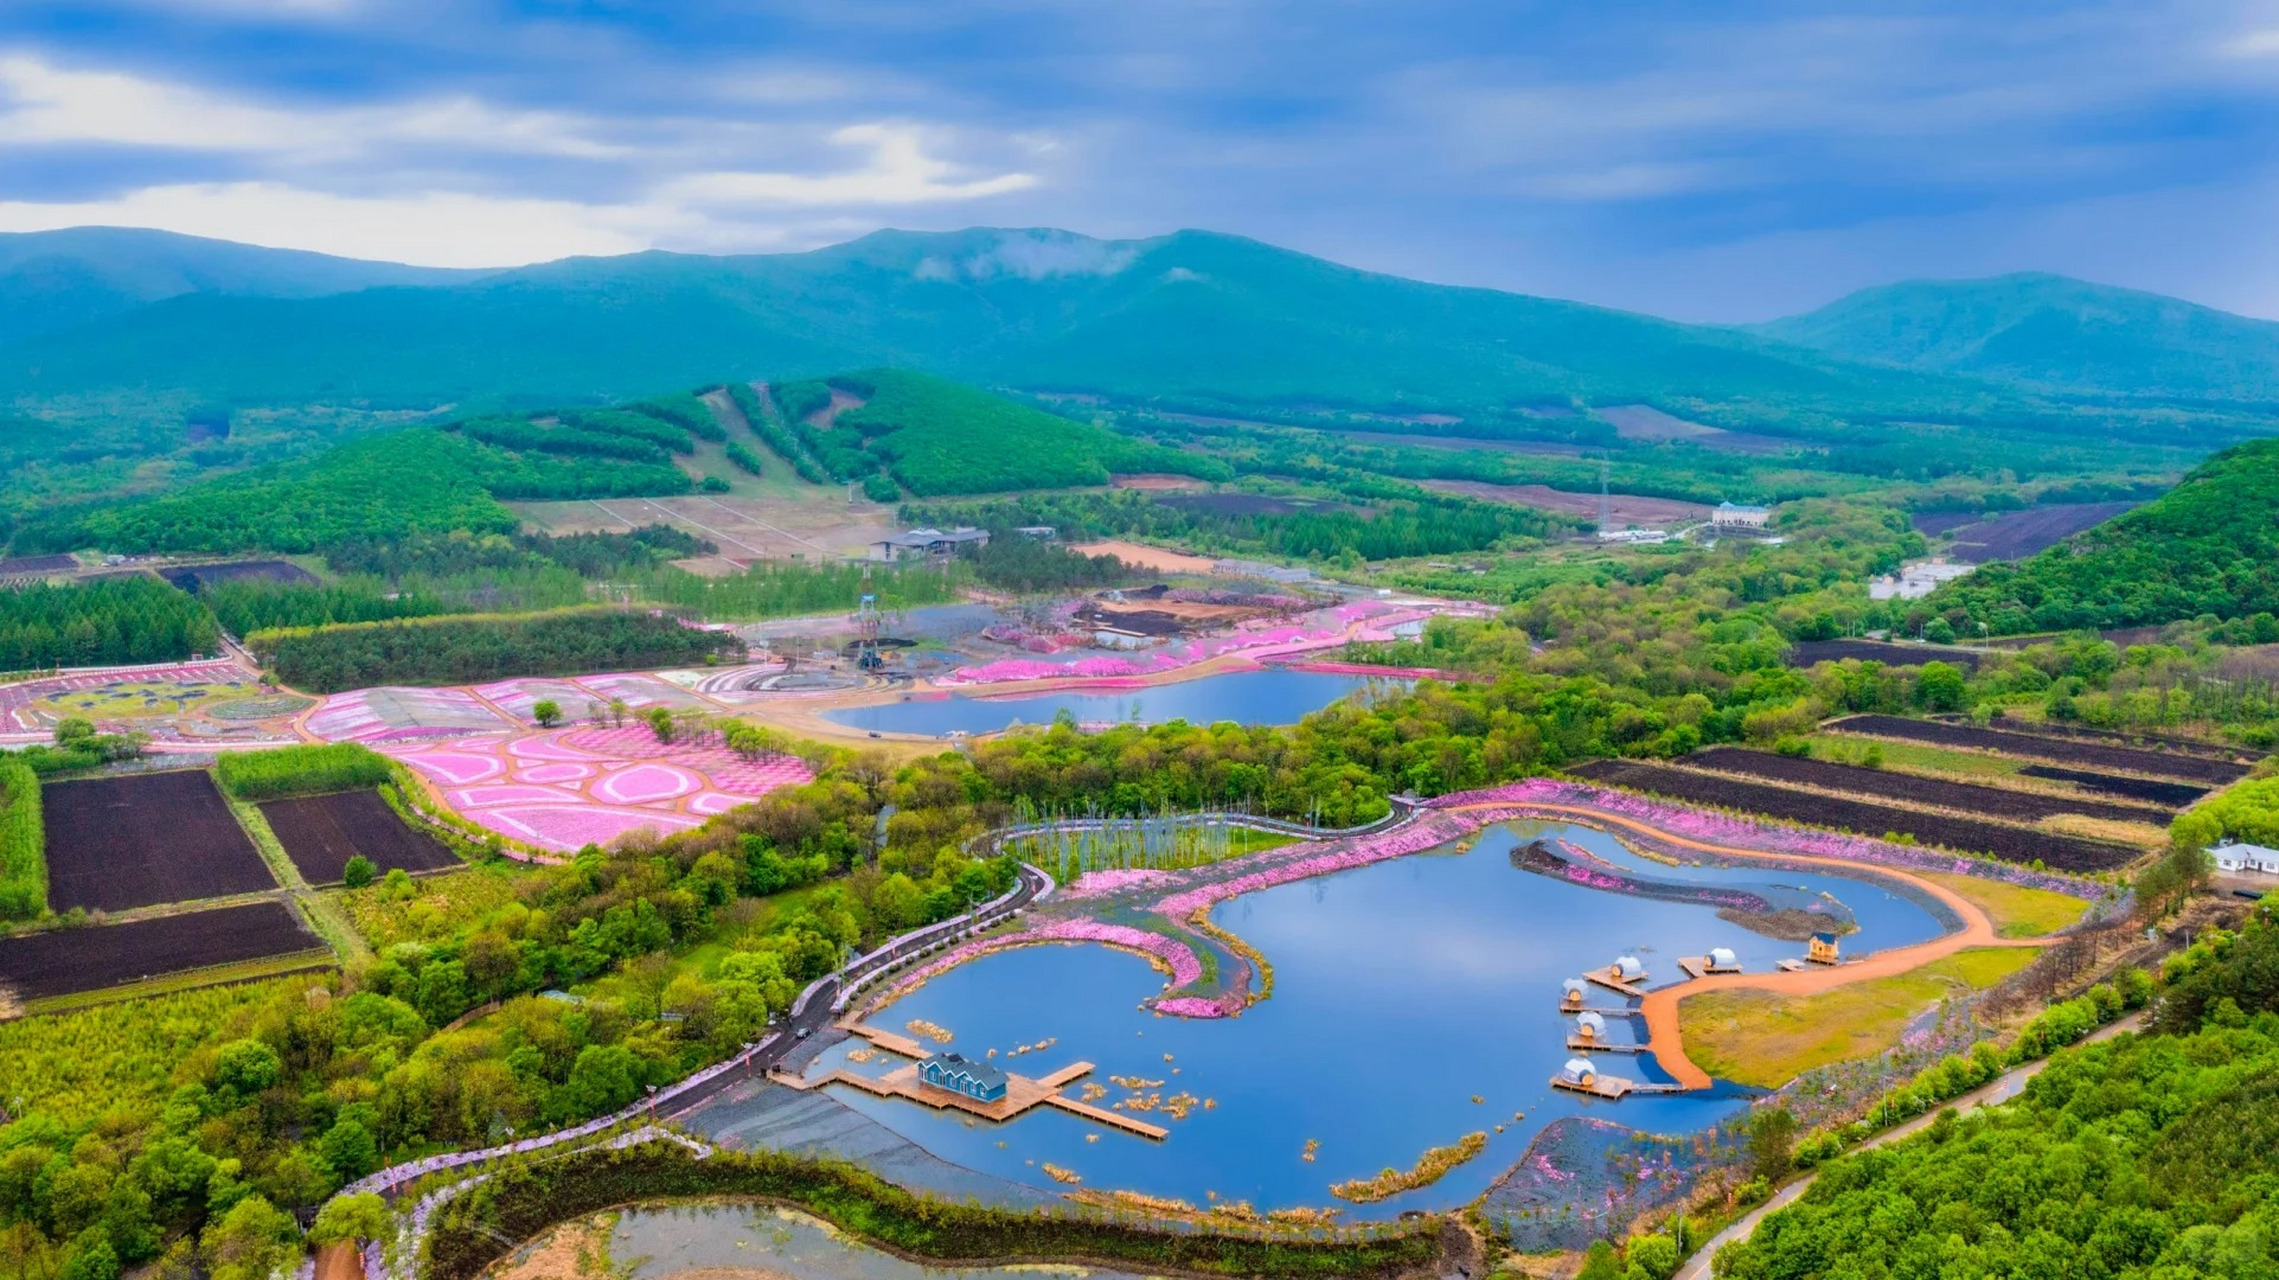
x: 1767, y: 1039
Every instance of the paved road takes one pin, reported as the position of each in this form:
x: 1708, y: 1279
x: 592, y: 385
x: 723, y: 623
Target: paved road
x: 2001, y: 1089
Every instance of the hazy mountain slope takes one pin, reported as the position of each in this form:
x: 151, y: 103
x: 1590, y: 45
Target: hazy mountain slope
x: 1186, y: 314
x: 2051, y: 332
x: 55, y: 280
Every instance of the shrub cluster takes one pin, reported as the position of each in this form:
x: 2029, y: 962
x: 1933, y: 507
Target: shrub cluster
x: 301, y: 771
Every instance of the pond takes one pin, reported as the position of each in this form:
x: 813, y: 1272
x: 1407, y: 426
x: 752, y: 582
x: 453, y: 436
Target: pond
x: 1415, y: 1001
x: 1250, y: 697
x: 727, y: 1241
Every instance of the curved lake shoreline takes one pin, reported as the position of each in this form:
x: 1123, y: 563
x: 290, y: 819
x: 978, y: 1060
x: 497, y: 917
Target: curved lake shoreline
x: 1436, y: 972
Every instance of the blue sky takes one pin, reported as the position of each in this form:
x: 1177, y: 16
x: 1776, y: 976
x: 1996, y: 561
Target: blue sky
x: 1724, y: 162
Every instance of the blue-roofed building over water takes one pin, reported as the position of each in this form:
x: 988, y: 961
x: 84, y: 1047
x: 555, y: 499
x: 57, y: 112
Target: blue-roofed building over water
x: 961, y: 1075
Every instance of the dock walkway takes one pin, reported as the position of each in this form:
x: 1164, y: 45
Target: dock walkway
x: 1022, y: 1093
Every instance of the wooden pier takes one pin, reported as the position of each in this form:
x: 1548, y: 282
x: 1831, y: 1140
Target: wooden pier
x: 1697, y: 966
x: 1584, y: 1044
x: 1022, y: 1093
x: 1613, y: 1086
x: 1611, y: 978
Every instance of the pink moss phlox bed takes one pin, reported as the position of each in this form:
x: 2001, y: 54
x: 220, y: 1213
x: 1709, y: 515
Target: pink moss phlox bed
x: 1711, y: 826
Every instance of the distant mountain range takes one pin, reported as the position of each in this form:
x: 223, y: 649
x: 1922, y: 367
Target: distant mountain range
x: 1191, y: 317
x: 2050, y: 333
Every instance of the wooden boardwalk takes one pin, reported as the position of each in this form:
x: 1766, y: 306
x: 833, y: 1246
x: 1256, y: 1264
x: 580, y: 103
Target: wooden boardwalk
x: 1613, y: 1086
x: 1022, y: 1093
x: 1698, y: 966
x: 1581, y: 1045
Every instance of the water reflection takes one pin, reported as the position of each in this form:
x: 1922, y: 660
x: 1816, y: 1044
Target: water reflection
x: 1249, y: 697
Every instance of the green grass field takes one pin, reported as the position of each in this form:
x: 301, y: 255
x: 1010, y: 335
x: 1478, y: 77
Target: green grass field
x: 1765, y: 1039
x: 2017, y: 911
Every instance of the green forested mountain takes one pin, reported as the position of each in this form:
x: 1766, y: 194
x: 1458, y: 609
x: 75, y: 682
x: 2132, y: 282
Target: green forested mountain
x: 2050, y: 332
x: 54, y: 280
x: 2210, y: 545
x: 1191, y: 315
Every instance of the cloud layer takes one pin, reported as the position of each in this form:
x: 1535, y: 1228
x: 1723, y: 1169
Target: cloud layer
x: 1728, y: 161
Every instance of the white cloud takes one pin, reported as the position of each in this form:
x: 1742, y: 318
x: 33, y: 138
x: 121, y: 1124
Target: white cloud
x: 2254, y: 44
x: 899, y: 172
x: 437, y: 229
x: 49, y: 104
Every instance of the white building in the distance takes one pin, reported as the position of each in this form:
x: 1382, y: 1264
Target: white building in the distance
x: 1733, y: 515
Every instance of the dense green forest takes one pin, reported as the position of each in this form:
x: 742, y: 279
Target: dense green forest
x: 2210, y: 546
x: 1389, y: 521
x: 133, y: 618
x: 472, y: 648
x: 935, y: 437
x: 2153, y: 1156
x: 421, y: 574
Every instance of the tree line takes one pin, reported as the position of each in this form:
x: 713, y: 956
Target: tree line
x: 474, y: 648
x: 127, y: 619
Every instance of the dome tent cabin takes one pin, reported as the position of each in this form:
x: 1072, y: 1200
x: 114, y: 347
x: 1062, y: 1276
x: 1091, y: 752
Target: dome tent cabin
x: 1590, y: 1026
x: 1723, y: 958
x: 1630, y: 969
x: 1580, y: 1072
x: 1571, y: 994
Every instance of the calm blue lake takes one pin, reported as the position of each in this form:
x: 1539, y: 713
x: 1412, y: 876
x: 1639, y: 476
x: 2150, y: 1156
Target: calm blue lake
x: 1250, y: 697
x: 1403, y: 990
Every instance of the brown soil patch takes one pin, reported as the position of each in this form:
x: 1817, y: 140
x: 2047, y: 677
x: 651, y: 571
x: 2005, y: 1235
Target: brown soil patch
x: 1155, y: 558
x: 841, y: 401
x: 1156, y: 482
x: 1628, y: 508
x: 340, y: 1260
x: 571, y: 1251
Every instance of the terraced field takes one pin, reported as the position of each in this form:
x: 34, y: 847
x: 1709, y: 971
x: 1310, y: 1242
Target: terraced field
x: 2098, y: 755
x: 1845, y: 779
x: 1963, y: 835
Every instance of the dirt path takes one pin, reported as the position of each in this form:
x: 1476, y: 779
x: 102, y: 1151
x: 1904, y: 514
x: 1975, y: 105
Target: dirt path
x: 1661, y: 1005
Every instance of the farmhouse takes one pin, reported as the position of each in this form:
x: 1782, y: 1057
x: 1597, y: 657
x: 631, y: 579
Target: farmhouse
x: 1733, y: 515
x: 960, y: 1075
x: 2234, y: 856
x: 916, y: 543
x: 1822, y: 949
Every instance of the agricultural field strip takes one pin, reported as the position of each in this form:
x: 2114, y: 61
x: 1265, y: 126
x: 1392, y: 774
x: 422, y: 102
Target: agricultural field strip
x: 2147, y: 741
x: 2008, y: 843
x: 319, y: 912
x: 138, y: 840
x: 2172, y: 794
x: 61, y: 962
x: 1963, y: 797
x: 2034, y: 746
x: 321, y: 833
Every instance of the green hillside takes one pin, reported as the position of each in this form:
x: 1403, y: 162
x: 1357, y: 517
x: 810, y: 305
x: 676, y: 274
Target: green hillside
x: 897, y: 431
x: 2052, y: 333
x: 1190, y: 315
x: 2211, y: 545
x: 53, y: 280
x: 934, y: 438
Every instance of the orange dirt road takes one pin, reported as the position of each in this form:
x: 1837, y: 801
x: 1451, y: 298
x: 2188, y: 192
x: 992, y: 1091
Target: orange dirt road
x: 1661, y: 1006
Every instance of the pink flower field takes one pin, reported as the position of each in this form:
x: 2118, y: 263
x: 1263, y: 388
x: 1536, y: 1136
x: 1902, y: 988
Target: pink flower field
x: 567, y: 788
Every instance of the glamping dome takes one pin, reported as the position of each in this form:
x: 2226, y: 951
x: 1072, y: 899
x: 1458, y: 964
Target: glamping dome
x: 1629, y: 969
x: 1591, y: 1026
x: 1579, y: 1071
x: 1574, y: 990
x: 1722, y: 958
